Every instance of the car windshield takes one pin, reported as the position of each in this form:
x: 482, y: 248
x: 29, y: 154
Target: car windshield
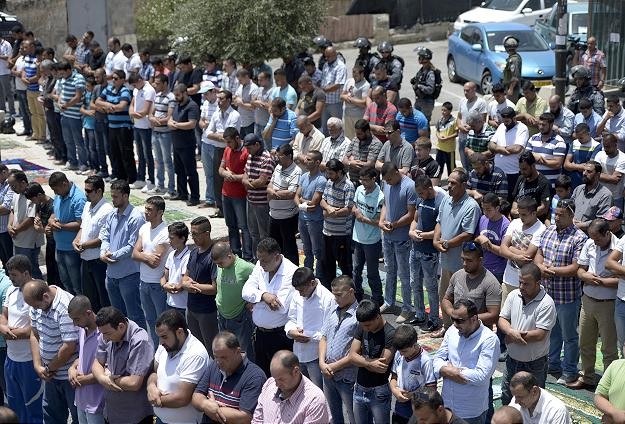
x: 508, y: 5
x: 529, y: 41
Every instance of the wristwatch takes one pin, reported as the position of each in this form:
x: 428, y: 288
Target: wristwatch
x: 445, y: 244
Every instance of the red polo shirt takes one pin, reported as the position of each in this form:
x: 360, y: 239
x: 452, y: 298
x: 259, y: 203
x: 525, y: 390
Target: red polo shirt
x: 234, y: 161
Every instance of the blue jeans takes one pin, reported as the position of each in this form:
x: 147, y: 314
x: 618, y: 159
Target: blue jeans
x: 22, y: 100
x: 208, y: 150
x: 102, y: 144
x: 154, y: 303
x: 368, y: 254
x: 143, y: 140
x: 477, y: 420
x: 423, y: 271
x: 33, y: 255
x: 241, y: 326
x: 313, y: 372
x: 311, y: 234
x: 85, y: 417
x: 619, y: 319
x: 396, y: 257
x: 565, y: 331
x: 24, y: 394
x: 339, y: 394
x: 235, y: 214
x: 58, y: 400
x: 372, y: 404
x: 125, y: 296
x: 68, y: 262
x: 537, y: 367
x: 246, y: 130
x: 161, y: 143
x: 72, y: 134
x: 92, y: 149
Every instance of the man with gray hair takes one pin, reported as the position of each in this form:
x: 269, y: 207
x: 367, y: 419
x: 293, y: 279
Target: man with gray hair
x: 335, y: 145
x: 470, y: 103
x: 479, y: 135
x: 333, y: 77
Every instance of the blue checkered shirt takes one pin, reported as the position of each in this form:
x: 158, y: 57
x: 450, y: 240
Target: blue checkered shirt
x: 561, y: 248
x: 6, y: 198
x: 333, y: 73
x: 339, y: 333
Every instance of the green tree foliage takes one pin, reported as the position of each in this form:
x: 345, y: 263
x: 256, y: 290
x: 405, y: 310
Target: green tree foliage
x: 250, y: 31
x: 153, y: 19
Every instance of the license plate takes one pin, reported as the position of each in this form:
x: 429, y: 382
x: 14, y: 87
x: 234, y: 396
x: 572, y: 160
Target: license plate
x: 541, y: 83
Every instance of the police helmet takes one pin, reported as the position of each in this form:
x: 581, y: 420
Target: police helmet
x: 511, y: 42
x: 424, y: 53
x: 362, y: 42
x: 580, y: 71
x: 322, y: 42
x: 385, y: 47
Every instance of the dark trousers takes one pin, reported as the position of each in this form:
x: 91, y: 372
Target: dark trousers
x: 283, y: 231
x: 102, y: 145
x: 267, y: 343
x: 218, y: 180
x: 512, y: 179
x: 446, y: 159
x: 122, y: 154
x: 94, y: 283
x: 52, y: 267
x: 537, y: 367
x: 53, y: 120
x: 337, y: 249
x: 24, y: 111
x: 186, y: 170
x: 6, y: 248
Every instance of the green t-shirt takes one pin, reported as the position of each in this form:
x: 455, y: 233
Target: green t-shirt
x: 611, y: 384
x: 230, y: 283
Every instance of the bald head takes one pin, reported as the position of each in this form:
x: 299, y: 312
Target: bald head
x: 35, y: 289
x: 303, y: 123
x: 507, y: 415
x: 284, y: 359
x: 7, y: 416
x: 554, y: 103
x: 330, y: 53
x: 220, y: 250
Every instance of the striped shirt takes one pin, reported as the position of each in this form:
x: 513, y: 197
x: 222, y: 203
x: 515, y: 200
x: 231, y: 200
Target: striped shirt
x: 146, y: 71
x: 339, y: 332
x: 163, y: 101
x: 561, y: 248
x: 55, y: 327
x: 363, y: 150
x: 582, y: 153
x: 478, y: 142
x: 285, y: 129
x: 332, y: 74
x: 338, y: 195
x: 307, y: 404
x: 334, y: 148
x: 595, y: 62
x: 412, y: 124
x: 6, y: 199
x: 494, y: 181
x: 284, y: 179
x: 69, y: 87
x: 380, y: 115
x: 30, y: 69
x: 555, y: 147
x: 112, y: 95
x: 255, y: 167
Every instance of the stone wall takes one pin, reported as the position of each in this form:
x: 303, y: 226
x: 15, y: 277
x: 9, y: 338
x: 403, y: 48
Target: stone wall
x: 46, y: 18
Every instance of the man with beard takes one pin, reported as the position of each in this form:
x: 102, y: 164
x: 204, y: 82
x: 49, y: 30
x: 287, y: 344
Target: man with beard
x: 362, y: 152
x: 591, y: 198
x: 563, y: 125
x: 170, y: 393
x: 548, y: 148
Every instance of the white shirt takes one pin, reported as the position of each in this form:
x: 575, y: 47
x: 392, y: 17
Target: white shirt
x: 18, y: 317
x: 93, y: 219
x: 478, y: 105
x: 133, y: 64
x: 310, y: 315
x: 521, y: 239
x: 414, y: 374
x: 206, y: 112
x: 119, y: 62
x: 151, y: 238
x: 495, y: 108
x: 280, y: 285
x: 177, y: 266
x: 245, y: 94
x: 222, y: 120
x: 503, y: 137
x: 108, y: 63
x: 594, y: 259
x: 5, y: 50
x: 22, y: 210
x: 548, y: 410
x: 19, y: 67
x: 186, y: 366
x: 140, y: 96
x: 610, y: 166
x: 616, y: 125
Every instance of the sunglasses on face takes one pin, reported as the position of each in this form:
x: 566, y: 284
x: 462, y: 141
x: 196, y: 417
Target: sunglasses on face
x: 459, y: 320
x: 89, y: 191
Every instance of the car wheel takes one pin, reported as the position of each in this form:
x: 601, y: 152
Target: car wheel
x: 451, y: 70
x: 486, y: 83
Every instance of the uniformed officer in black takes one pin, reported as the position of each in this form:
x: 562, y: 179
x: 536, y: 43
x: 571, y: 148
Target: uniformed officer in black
x: 365, y: 58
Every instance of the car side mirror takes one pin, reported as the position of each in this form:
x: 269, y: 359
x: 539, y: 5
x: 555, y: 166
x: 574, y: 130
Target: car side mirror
x: 476, y: 47
x: 527, y: 11
x: 552, y: 45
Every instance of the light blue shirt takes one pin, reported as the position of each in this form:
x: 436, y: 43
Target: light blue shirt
x: 119, y: 235
x: 455, y: 218
x: 592, y: 122
x: 68, y: 209
x: 288, y: 94
x: 370, y: 205
x: 477, y: 355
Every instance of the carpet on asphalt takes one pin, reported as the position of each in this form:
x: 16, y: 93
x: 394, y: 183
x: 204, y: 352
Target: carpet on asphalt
x: 35, y: 173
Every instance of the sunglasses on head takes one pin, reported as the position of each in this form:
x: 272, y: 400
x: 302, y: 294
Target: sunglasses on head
x: 469, y: 245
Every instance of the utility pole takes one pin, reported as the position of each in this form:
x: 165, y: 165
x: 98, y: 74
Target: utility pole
x: 561, y: 51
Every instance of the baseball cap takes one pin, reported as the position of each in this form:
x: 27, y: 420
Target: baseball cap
x: 613, y: 214
x: 206, y: 86
x: 507, y: 112
x: 251, y: 139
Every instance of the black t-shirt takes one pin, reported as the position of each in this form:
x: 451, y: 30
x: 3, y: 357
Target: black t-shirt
x: 185, y: 113
x: 428, y: 167
x: 190, y: 79
x: 202, y: 269
x: 539, y: 189
x: 372, y: 346
x: 96, y: 62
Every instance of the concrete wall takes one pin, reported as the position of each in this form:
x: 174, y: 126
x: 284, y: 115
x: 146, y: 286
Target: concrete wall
x: 46, y: 18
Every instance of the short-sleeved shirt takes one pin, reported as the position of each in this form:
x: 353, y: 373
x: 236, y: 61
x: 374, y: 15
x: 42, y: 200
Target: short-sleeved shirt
x: 131, y: 356
x: 284, y: 179
x: 230, y: 283
x: 185, y: 113
x: 141, y: 96
x: 397, y: 198
x: 611, y: 384
x: 311, y: 185
x: 538, y: 313
x: 520, y: 238
x: 176, y: 266
x: 339, y: 330
x: 493, y: 181
x: 535, y: 109
x: 427, y: 211
x: 308, y: 104
x: 504, y: 137
x: 332, y: 74
x: 428, y: 167
x: 372, y: 347
x: 31, y: 64
x: 593, y: 258
x: 239, y: 390
x: 191, y: 78
x: 478, y: 141
x: 538, y: 189
x: 245, y: 92
x: 260, y: 164
x: 370, y: 205
x: 365, y: 151
x: 261, y: 115
x: 202, y: 269
x: 410, y: 126
x: 234, y: 161
x: 380, y: 115
x: 590, y: 204
x: 401, y: 156
x: 69, y: 87
x: 465, y: 107
x: 92, y: 219
x: 358, y: 90
x: 553, y: 148
x: 455, y: 218
x: 338, y: 195
x: 447, y: 127
x: 285, y: 129
x: 162, y: 103
x: 23, y: 209
x: 219, y: 121
x: 288, y: 94
x: 334, y: 148
x: 118, y: 119
x: 55, y: 327
x: 411, y: 376
x: 484, y: 290
x: 6, y: 198
x: 494, y: 231
x: 68, y: 209
x: 18, y: 317
x: 151, y: 238
x: 90, y: 397
x: 610, y: 166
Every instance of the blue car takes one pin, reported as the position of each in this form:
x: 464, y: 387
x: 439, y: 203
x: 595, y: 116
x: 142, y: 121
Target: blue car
x: 476, y: 53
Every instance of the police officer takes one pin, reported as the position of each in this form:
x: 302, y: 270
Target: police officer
x: 424, y: 83
x: 365, y: 58
x: 512, y: 71
x: 321, y: 44
x: 584, y: 90
x: 394, y: 64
